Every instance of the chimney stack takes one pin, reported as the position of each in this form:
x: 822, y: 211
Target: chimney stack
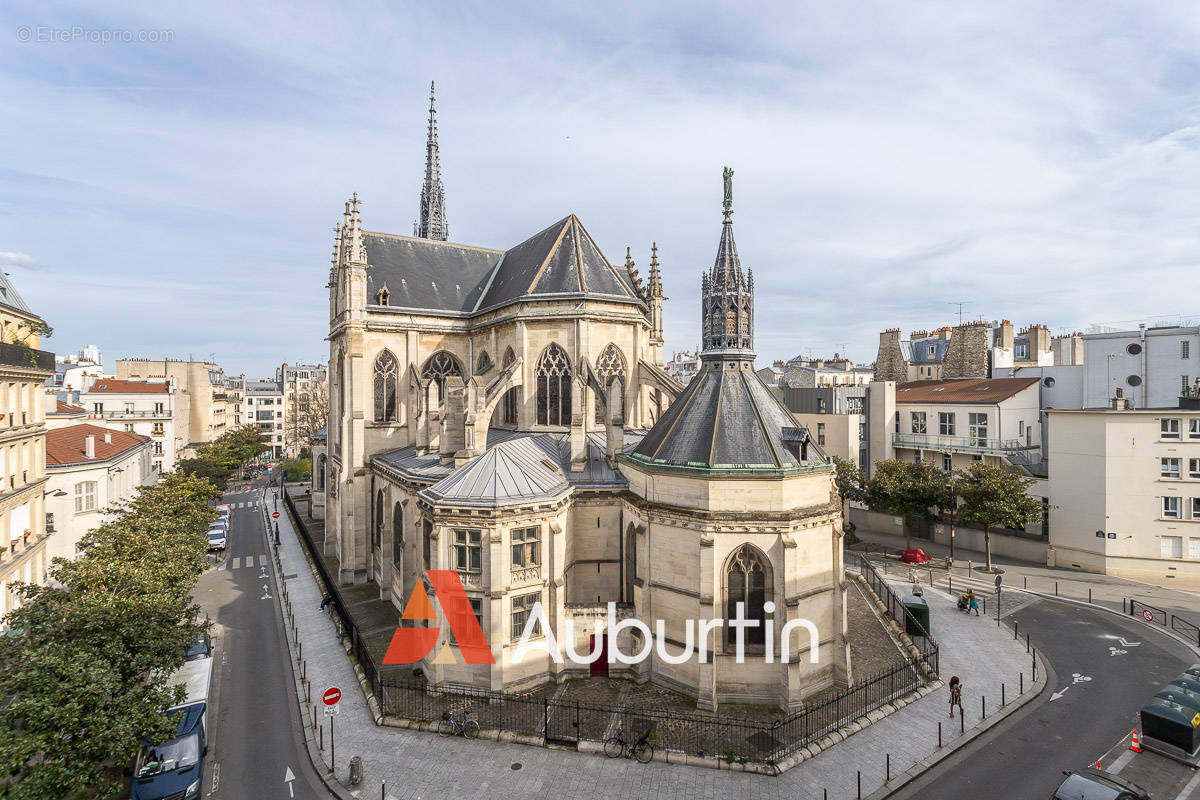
x: 89, y: 446
x: 108, y: 437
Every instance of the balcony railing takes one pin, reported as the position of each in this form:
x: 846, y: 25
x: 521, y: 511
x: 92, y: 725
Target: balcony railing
x: 968, y: 444
x: 116, y: 414
x: 15, y: 355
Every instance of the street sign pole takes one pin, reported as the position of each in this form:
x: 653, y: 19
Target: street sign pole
x: 999, y: 580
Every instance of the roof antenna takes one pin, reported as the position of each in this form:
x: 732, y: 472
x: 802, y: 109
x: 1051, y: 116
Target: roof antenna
x: 960, y: 304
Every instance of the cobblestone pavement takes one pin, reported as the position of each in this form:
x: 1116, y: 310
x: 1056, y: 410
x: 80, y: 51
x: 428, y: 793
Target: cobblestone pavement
x: 417, y: 764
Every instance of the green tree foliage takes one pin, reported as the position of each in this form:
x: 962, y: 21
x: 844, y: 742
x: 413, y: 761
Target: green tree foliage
x: 905, y: 489
x: 216, y: 461
x: 84, y: 667
x: 991, y: 495
x: 848, y: 482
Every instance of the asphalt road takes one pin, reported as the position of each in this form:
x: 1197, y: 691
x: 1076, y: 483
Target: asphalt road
x: 254, y: 735
x: 1091, y: 703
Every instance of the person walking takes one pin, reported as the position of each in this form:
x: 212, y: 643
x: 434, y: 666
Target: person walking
x: 325, y: 600
x: 973, y: 603
x: 955, y: 696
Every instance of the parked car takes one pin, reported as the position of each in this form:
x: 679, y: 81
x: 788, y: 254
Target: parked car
x: 1096, y: 784
x: 224, y: 509
x: 216, y: 539
x: 201, y: 648
x: 914, y: 556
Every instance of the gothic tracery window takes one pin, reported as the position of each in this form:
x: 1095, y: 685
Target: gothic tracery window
x: 554, y: 387
x: 610, y: 368
x: 440, y: 366
x: 508, y: 412
x: 747, y: 581
x: 386, y: 378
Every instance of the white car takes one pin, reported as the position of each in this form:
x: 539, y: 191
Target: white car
x: 216, y: 539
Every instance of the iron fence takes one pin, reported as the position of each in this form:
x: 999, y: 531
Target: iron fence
x: 1157, y: 616
x: 1149, y: 613
x: 567, y: 721
x: 926, y: 645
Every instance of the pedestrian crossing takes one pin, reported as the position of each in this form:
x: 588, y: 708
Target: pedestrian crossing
x: 244, y: 562
x: 249, y: 504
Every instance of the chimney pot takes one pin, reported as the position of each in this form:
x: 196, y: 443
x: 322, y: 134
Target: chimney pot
x: 108, y: 438
x: 89, y: 446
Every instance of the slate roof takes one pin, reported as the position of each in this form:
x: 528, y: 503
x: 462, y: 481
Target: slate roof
x: 726, y: 420
x: 67, y: 446
x: 916, y: 351
x: 561, y: 261
x: 962, y: 391
x: 9, y: 296
x: 510, y: 473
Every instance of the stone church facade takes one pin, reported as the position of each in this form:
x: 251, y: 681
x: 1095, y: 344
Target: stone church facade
x: 505, y: 414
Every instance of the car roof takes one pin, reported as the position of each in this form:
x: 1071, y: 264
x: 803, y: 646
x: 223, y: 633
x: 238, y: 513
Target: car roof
x: 1093, y: 784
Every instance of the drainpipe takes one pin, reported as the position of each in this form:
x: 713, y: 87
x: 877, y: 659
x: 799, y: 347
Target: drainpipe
x: 1145, y: 368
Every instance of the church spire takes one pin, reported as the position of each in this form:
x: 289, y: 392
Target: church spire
x: 432, y: 222
x: 727, y: 304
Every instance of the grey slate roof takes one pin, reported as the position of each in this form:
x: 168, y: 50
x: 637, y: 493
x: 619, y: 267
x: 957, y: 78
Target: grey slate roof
x: 917, y: 350
x: 726, y: 420
x: 562, y: 260
x: 517, y: 471
x: 9, y: 296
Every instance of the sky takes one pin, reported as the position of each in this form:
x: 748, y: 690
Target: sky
x: 171, y: 191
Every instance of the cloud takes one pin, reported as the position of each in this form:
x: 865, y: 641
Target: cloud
x: 25, y: 260
x: 891, y: 159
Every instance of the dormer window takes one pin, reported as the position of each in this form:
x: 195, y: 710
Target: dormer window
x: 381, y: 297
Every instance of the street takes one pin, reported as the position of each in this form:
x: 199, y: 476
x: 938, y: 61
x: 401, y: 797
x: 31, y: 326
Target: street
x: 255, y: 739
x: 1100, y: 680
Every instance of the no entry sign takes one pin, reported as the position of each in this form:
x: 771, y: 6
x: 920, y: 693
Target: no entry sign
x: 331, y: 696
x: 274, y: 515
x: 1148, y: 615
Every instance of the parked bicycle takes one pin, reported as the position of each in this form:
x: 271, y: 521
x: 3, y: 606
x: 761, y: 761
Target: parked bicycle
x: 640, y: 749
x: 458, y: 722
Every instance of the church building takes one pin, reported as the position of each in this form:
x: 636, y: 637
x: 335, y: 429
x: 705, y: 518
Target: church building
x: 505, y: 413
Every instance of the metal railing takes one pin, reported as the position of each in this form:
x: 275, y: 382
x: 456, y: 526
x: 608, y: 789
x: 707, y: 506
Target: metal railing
x: 926, y: 645
x: 16, y: 355
x: 972, y: 444
x: 566, y: 721
x: 1157, y: 616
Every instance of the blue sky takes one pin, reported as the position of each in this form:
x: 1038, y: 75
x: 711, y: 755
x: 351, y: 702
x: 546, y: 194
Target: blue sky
x: 1038, y: 161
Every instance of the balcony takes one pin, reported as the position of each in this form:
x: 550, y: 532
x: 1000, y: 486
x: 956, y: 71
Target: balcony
x: 113, y: 414
x: 15, y: 355
x: 960, y: 444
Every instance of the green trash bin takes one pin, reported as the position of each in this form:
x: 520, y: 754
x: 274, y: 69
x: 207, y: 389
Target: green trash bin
x: 1180, y: 696
x: 1171, y: 727
x: 918, y: 615
x: 1186, y: 681
x: 1193, y: 672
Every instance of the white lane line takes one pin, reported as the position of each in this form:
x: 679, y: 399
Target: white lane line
x: 1121, y: 762
x: 233, y: 563
x: 1192, y: 785
x: 262, y: 560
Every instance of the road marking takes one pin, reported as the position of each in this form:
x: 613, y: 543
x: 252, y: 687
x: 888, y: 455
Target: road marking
x: 262, y: 560
x: 1124, y: 643
x: 1057, y: 695
x: 1077, y: 678
x: 216, y: 781
x: 266, y: 593
x: 288, y: 777
x: 1191, y: 785
x: 1123, y: 759
x: 1113, y: 651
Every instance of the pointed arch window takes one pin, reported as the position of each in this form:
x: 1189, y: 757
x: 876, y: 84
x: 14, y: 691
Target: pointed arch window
x: 377, y: 535
x: 386, y: 378
x: 610, y: 368
x: 397, y: 533
x: 440, y: 366
x: 483, y: 364
x: 553, y: 387
x: 508, y: 412
x: 747, y: 580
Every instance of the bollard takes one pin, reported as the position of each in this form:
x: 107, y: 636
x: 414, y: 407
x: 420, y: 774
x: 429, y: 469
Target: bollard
x: 983, y: 706
x: 1003, y: 699
x: 887, y: 775
x: 1035, y: 665
x: 1027, y: 643
x: 356, y: 771
x: 951, y: 579
x: 383, y: 791
x: 962, y: 721
x: 860, y: 784
x: 314, y: 716
x: 1026, y: 580
x: 1022, y: 686
x: 321, y: 737
x: 1056, y: 588
x: 1089, y: 594
x: 299, y: 651
x: 939, y: 736
x: 1016, y: 629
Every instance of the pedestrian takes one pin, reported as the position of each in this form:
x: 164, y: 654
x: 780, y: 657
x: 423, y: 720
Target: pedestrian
x: 973, y: 603
x: 955, y: 696
x: 325, y: 600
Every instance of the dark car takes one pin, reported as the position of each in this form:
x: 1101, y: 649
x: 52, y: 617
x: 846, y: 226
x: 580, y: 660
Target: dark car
x: 1096, y: 784
x: 201, y: 648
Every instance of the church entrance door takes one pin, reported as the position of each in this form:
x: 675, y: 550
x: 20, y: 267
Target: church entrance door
x: 599, y: 667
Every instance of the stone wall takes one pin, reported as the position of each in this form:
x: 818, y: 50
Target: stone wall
x: 889, y: 361
x: 967, y: 356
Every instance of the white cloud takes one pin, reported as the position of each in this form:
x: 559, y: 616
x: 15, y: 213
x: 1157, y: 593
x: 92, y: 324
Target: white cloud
x: 9, y: 259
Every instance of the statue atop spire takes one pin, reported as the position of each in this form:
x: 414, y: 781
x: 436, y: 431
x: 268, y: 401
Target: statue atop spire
x: 727, y: 306
x: 432, y: 221
x: 728, y: 202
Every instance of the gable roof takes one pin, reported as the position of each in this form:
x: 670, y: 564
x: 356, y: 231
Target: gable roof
x: 560, y: 261
x: 120, y: 386
x: 962, y: 391
x: 67, y: 445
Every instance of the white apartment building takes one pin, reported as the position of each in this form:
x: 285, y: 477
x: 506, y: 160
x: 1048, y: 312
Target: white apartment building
x: 153, y: 408
x: 1150, y: 365
x: 90, y: 468
x: 1125, y: 492
x: 305, y: 403
x: 263, y: 407
x: 77, y: 371
x: 683, y: 366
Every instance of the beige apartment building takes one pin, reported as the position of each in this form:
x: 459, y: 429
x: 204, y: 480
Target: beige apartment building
x: 204, y: 384
x: 24, y: 369
x: 1125, y: 492
x: 153, y: 408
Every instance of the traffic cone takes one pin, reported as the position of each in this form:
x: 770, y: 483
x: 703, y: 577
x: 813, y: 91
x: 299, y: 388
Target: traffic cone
x: 1097, y: 764
x: 1135, y: 745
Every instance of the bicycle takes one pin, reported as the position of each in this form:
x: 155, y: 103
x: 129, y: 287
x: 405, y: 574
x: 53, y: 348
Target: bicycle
x: 458, y: 722
x: 641, y: 750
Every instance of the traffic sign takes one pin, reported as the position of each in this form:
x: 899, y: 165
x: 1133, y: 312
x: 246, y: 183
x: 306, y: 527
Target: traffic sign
x: 331, y: 696
x: 274, y: 515
x: 999, y: 580
x: 1148, y: 615
x: 331, y: 711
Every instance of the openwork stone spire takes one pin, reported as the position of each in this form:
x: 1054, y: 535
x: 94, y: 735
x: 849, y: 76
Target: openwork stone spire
x: 432, y: 222
x: 727, y: 294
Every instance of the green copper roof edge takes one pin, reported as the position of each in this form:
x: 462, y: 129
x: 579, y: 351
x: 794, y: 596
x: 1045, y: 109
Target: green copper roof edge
x: 731, y: 471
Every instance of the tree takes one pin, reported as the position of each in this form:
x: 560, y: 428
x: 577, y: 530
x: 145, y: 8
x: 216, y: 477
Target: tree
x: 905, y: 489
x: 84, y: 668
x: 306, y: 416
x: 220, y: 458
x: 848, y: 480
x: 992, y: 495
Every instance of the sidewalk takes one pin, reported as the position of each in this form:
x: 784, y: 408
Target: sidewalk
x: 424, y: 765
x: 1107, y: 590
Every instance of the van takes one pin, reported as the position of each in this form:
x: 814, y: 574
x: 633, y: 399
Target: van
x: 175, y: 768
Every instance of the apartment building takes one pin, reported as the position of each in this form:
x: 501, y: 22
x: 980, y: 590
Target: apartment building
x: 683, y: 366
x: 305, y: 403
x: 975, y: 349
x: 77, y: 371
x: 806, y: 373
x: 836, y: 416
x: 264, y: 408
x: 1125, y: 491
x: 153, y: 408
x: 202, y: 381
x: 235, y: 398
x: 24, y: 370
x: 89, y: 469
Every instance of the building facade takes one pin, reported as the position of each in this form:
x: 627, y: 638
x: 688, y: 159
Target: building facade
x: 24, y: 370
x: 152, y: 408
x: 837, y: 416
x: 305, y: 404
x: 91, y: 468
x: 263, y: 404
x: 505, y: 414
x: 203, y: 383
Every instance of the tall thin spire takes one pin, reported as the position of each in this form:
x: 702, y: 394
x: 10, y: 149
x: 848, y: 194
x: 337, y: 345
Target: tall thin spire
x: 727, y: 306
x: 432, y: 221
